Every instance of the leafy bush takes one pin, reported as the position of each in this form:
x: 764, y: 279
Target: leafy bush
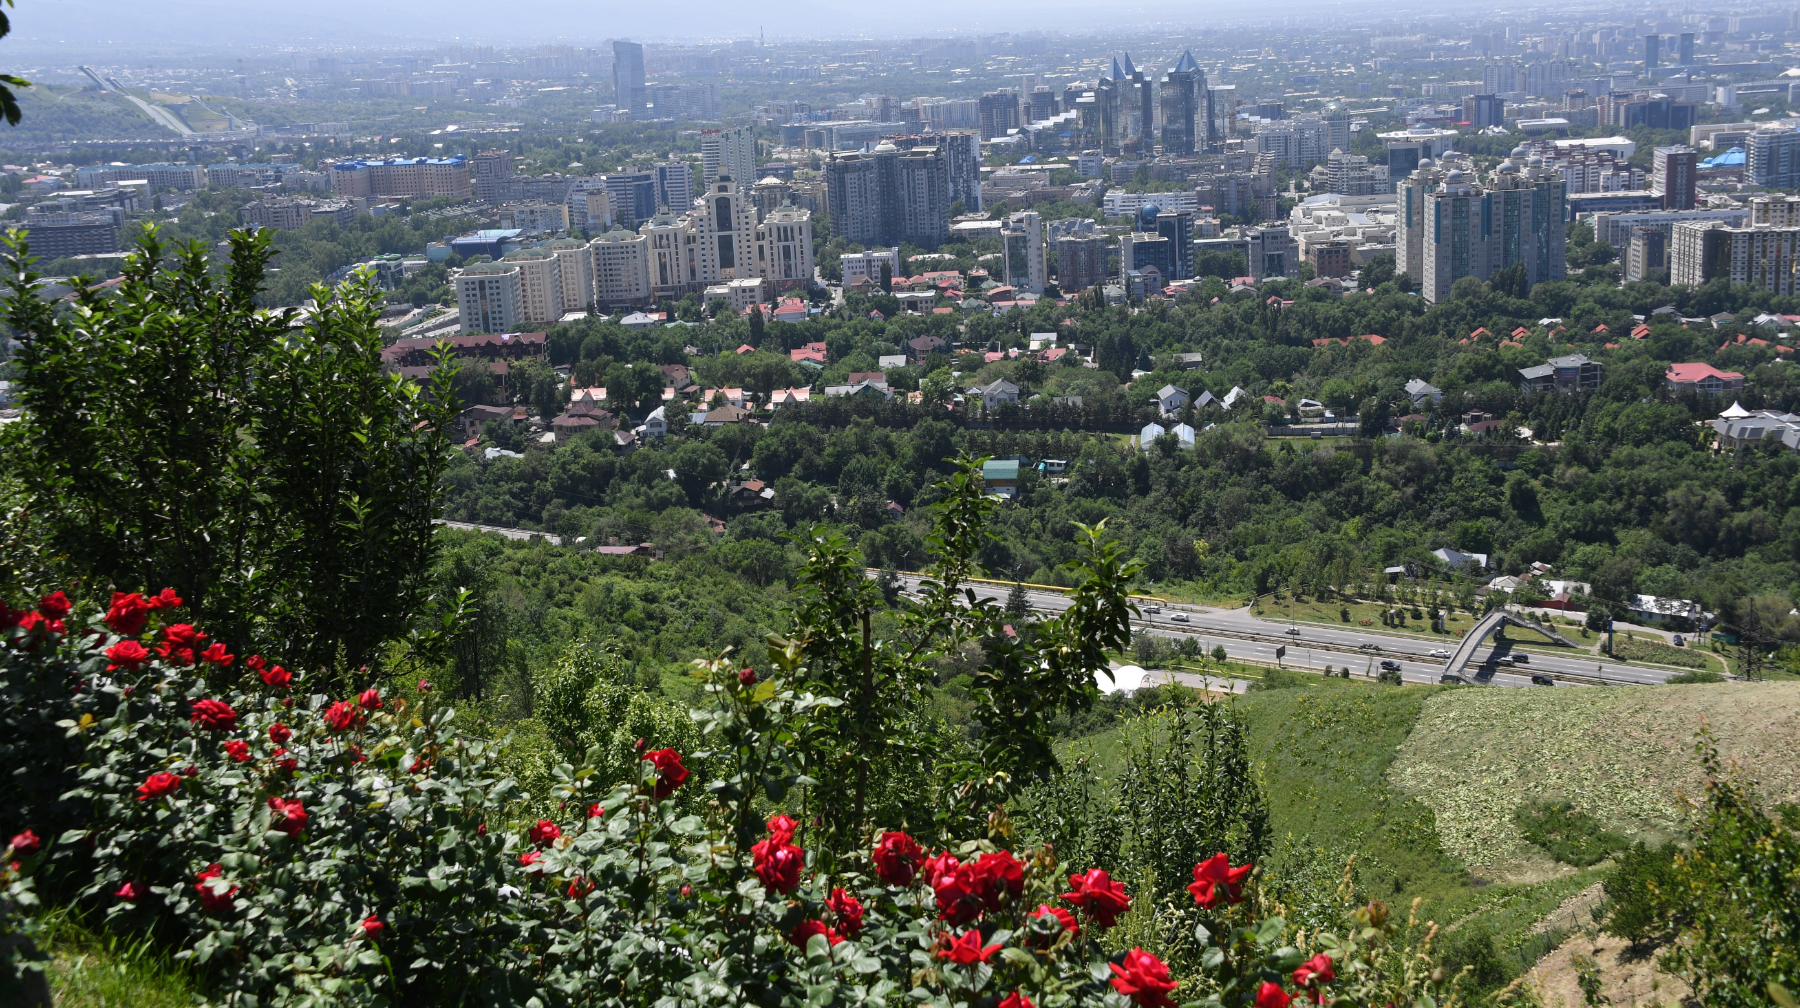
x: 1696, y: 677
x: 1566, y: 833
x: 1643, y: 898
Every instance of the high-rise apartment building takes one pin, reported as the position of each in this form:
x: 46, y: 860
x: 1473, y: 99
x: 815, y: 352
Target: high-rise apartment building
x: 489, y: 298
x: 621, y: 269
x: 673, y: 261
x: 727, y: 224
x: 1773, y: 158
x: 1178, y: 227
x: 1672, y: 174
x: 633, y: 196
x: 1481, y: 111
x: 414, y: 177
x: 962, y: 160
x: 731, y: 152
x: 1184, y: 107
x: 1143, y: 250
x: 486, y: 169
x: 922, y: 176
x: 675, y: 186
x: 854, y: 199
x: 787, y: 248
x: 1652, y: 53
x: 1684, y: 52
x: 628, y: 78
x: 1646, y: 254
x: 999, y: 112
x: 1022, y: 248
x: 1451, y: 226
x: 886, y: 196
x: 1763, y: 256
x: 1080, y: 261
x: 575, y: 264
x: 540, y: 284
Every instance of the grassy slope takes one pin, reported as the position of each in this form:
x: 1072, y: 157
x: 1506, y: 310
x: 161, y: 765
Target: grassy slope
x: 1624, y: 755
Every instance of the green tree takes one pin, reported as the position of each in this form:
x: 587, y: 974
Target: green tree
x: 273, y: 474
x: 9, y: 102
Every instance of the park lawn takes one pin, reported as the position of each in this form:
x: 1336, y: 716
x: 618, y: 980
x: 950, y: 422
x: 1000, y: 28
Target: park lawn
x: 1364, y: 614
x: 89, y: 969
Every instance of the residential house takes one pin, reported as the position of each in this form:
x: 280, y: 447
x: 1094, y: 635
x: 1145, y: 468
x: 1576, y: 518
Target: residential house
x: 580, y: 417
x: 1703, y: 378
x: 1190, y: 361
x: 789, y: 396
x: 1456, y: 558
x: 996, y: 393
x: 1233, y: 397
x: 1679, y: 613
x: 1569, y: 373
x: 643, y: 320
x: 876, y: 378
x: 474, y: 419
x: 1001, y: 477
x: 723, y: 415
x: 656, y: 425
x: 1419, y: 390
x: 1171, y: 400
x: 861, y: 388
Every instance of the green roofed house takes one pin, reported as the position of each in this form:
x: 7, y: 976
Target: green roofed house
x: 1001, y: 477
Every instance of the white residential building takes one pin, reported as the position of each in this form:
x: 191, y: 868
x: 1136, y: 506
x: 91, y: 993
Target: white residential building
x: 575, y: 261
x: 540, y: 280
x: 1022, y: 247
x: 730, y: 152
x: 621, y: 269
x: 489, y: 298
x: 867, y: 265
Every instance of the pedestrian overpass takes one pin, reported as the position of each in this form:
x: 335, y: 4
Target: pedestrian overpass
x: 1492, y: 622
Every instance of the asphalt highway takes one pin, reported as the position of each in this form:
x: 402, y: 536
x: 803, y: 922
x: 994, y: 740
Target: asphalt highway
x: 1312, y: 646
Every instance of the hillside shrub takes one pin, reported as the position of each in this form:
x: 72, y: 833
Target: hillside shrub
x: 1566, y: 833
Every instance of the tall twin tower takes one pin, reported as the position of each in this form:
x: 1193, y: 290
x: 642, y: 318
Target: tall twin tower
x: 1125, y: 102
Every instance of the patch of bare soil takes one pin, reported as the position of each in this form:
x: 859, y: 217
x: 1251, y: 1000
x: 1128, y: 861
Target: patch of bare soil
x: 1629, y: 977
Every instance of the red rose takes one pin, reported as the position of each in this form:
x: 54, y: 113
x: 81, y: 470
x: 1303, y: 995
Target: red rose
x: 994, y: 874
x: 781, y: 828
x: 341, y: 717
x: 127, y: 654
x: 1016, y: 1000
x: 287, y: 765
x: 849, y: 911
x: 669, y: 772
x: 357, y: 755
x: 897, y: 858
x: 1270, y: 995
x: 216, y: 655
x: 940, y: 866
x: 594, y: 811
x: 967, y: 950
x: 804, y: 931
x: 214, y: 715
x: 958, y: 899
x: 1144, y: 979
x: 35, y: 622
x: 1061, y: 916
x: 1318, y: 968
x: 179, y: 643
x: 579, y: 887
x: 128, y: 614
x: 372, y: 927
x: 215, y: 895
x: 130, y: 892
x: 1098, y: 896
x: 26, y: 844
x: 165, y: 599
x: 424, y: 686
x: 481, y: 829
x: 238, y: 750
x: 55, y: 605
x: 277, y: 677
x: 419, y: 765
x: 157, y: 785
x: 279, y: 733
x: 746, y: 677
x: 544, y: 832
x: 777, y: 864
x: 370, y: 699
x: 529, y: 858
x: 287, y: 816
x: 255, y: 663
x: 1215, y: 877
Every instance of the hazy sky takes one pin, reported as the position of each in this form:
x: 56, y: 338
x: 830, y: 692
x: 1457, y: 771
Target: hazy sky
x: 55, y: 25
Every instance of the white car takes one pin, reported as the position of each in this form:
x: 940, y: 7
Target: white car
x: 1153, y: 609
x: 1179, y: 617
x: 1440, y: 653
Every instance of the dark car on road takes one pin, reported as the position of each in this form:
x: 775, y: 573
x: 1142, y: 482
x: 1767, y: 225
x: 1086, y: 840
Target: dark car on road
x: 1540, y: 679
x: 1390, y: 666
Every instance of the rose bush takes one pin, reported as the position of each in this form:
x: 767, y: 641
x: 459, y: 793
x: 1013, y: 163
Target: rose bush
x: 305, y: 849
